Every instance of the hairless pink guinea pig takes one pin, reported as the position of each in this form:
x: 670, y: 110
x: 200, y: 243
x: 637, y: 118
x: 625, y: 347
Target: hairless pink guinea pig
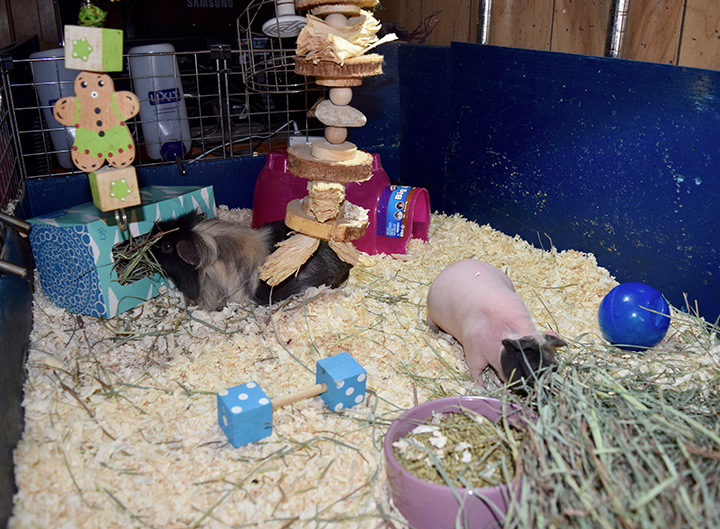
x: 476, y: 303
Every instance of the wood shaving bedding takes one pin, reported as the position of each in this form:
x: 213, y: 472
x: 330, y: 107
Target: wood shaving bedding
x: 121, y: 423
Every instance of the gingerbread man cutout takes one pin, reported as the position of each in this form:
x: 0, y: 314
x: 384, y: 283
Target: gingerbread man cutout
x: 99, y: 115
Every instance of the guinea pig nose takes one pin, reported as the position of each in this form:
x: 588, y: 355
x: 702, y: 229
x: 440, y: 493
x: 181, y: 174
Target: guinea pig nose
x: 93, y: 94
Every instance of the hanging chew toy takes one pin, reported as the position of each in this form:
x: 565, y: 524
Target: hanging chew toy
x: 332, y: 48
x: 100, y: 114
x: 90, y: 15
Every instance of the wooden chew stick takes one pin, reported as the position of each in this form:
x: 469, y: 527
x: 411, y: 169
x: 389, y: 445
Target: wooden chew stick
x: 303, y: 394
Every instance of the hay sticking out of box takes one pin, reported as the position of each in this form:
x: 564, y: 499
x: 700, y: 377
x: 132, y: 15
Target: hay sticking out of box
x: 133, y: 259
x: 121, y: 426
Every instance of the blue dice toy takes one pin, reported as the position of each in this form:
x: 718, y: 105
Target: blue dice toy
x: 345, y: 380
x: 245, y: 412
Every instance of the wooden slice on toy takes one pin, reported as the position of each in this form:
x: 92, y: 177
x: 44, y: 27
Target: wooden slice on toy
x: 338, y: 82
x: 341, y: 152
x: 357, y: 67
x: 302, y: 163
x: 345, y: 9
x: 349, y: 226
x: 99, y: 114
x: 314, y: 4
x: 333, y: 115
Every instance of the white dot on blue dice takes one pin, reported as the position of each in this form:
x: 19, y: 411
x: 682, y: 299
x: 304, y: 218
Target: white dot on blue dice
x: 264, y: 401
x: 243, y: 396
x: 361, y: 377
x: 338, y: 406
x: 223, y: 393
x: 339, y: 383
x: 250, y: 385
x: 359, y: 399
x: 236, y: 409
x: 349, y: 391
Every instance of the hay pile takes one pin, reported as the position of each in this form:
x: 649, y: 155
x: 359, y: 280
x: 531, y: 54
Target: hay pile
x: 121, y: 427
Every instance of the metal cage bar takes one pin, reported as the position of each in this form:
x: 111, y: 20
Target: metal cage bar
x: 243, y: 102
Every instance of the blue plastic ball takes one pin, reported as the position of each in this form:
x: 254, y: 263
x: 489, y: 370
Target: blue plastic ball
x: 624, y: 320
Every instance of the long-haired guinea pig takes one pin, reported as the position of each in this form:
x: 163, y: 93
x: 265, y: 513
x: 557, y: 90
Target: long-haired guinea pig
x: 213, y: 262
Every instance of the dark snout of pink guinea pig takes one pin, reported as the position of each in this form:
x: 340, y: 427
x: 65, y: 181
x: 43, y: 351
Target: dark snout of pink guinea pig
x: 523, y: 360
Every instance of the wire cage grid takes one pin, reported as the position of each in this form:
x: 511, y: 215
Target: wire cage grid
x: 11, y: 182
x: 239, y: 102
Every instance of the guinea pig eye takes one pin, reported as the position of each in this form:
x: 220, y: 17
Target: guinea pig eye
x: 167, y: 247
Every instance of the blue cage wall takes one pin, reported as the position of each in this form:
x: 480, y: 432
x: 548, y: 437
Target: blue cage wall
x: 612, y: 157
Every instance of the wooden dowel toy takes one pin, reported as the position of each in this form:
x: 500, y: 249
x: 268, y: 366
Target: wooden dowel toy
x: 303, y: 394
x: 245, y: 411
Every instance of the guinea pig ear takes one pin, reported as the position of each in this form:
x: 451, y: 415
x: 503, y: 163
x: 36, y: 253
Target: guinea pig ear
x: 550, y: 343
x: 188, y: 252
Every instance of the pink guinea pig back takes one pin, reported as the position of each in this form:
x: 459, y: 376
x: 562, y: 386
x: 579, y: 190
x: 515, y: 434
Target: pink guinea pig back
x: 476, y: 303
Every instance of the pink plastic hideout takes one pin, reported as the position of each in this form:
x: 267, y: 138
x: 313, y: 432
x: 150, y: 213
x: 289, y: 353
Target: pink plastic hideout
x: 396, y: 214
x: 427, y: 505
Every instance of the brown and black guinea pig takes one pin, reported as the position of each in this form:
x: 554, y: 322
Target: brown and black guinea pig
x: 213, y: 262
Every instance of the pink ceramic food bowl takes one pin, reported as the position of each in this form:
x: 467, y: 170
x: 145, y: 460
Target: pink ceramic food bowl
x: 429, y: 506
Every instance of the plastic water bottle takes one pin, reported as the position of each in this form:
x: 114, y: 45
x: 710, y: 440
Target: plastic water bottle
x: 53, y: 81
x: 163, y: 114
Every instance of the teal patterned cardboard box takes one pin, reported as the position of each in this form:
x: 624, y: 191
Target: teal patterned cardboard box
x: 73, y: 249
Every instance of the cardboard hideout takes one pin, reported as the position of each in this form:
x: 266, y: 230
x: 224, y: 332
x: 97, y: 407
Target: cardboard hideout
x: 73, y: 249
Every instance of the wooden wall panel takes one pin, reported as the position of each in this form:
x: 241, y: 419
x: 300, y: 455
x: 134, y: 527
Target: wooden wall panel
x: 7, y: 32
x: 48, y: 31
x: 700, y: 43
x: 453, y: 20
x: 580, y: 26
x: 522, y: 23
x: 25, y: 18
x: 653, y: 30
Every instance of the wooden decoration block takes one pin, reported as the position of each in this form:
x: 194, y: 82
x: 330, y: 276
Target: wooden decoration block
x: 99, y: 115
x: 349, y: 226
x: 302, y: 163
x: 338, y: 82
x: 342, y: 152
x: 345, y: 380
x: 333, y: 115
x: 114, y: 188
x: 93, y: 49
x: 244, y: 413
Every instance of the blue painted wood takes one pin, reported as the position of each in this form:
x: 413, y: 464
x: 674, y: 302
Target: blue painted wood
x: 378, y: 98
x: 425, y: 119
x: 601, y: 155
x: 233, y: 181
x: 16, y: 320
